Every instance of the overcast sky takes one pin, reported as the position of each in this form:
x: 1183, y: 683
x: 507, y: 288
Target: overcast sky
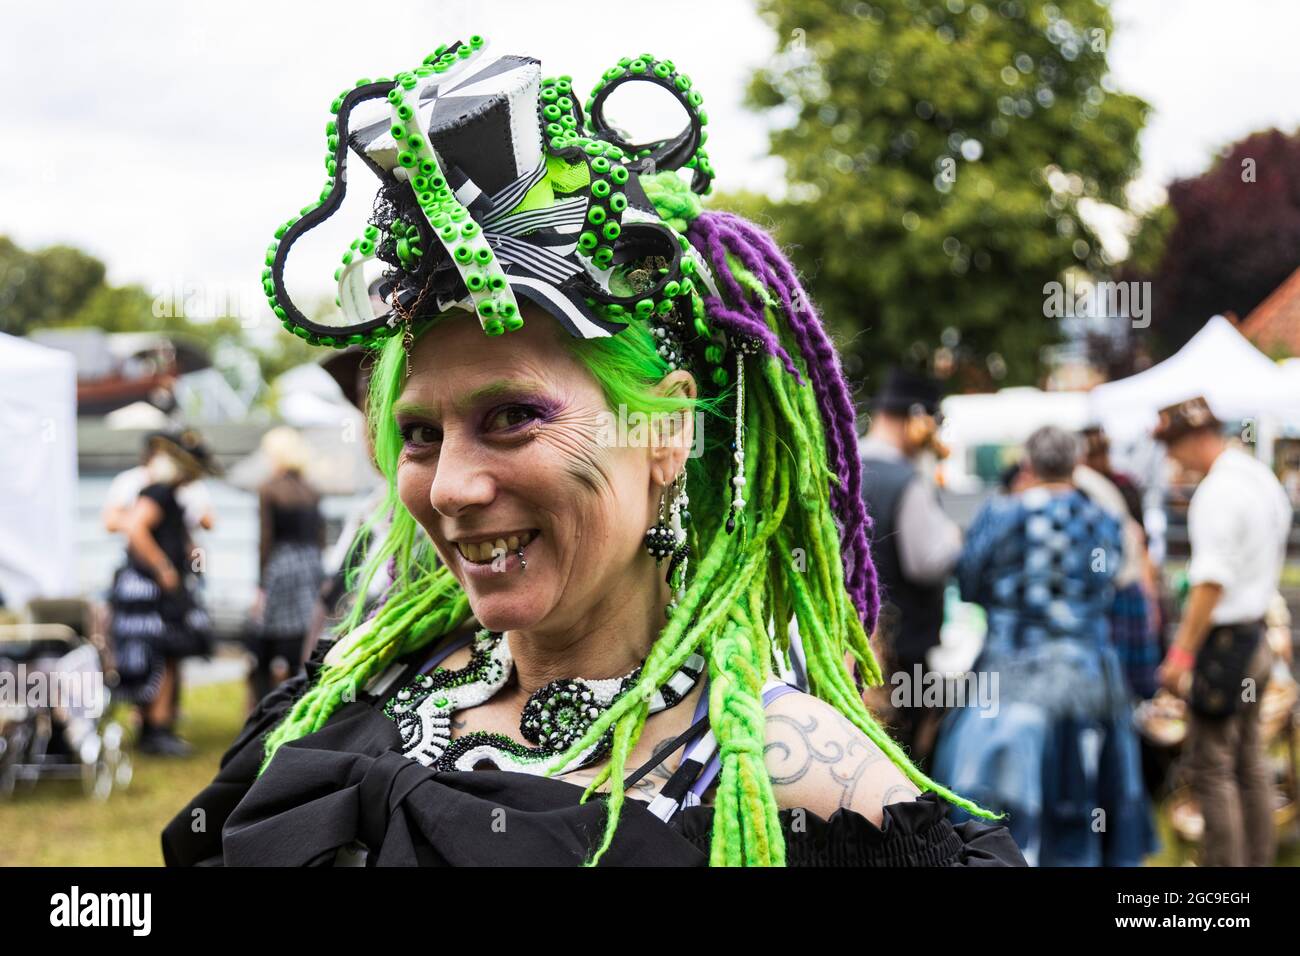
x: 170, y: 139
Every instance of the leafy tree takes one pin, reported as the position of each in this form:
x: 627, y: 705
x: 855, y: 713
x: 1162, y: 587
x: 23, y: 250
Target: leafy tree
x: 68, y: 277
x: 126, y: 308
x: 1148, y: 243
x: 1225, y: 239
x: 44, y: 287
x: 937, y: 159
x: 16, y: 298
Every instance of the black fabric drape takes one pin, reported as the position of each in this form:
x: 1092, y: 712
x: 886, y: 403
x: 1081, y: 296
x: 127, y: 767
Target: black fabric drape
x: 348, y: 785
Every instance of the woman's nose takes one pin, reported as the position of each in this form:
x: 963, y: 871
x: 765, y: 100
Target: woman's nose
x: 463, y: 478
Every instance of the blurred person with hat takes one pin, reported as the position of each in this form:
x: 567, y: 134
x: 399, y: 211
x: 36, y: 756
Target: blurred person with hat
x: 1238, y: 522
x: 290, y: 542
x: 914, y: 544
x: 157, y: 618
x: 350, y: 368
x: 125, y: 488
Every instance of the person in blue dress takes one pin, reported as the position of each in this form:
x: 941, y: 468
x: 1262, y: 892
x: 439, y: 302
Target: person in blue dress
x: 1056, y: 750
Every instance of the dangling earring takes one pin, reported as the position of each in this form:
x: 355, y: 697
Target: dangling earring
x: 738, y: 447
x: 659, y: 539
x: 678, y: 518
x: 400, y: 312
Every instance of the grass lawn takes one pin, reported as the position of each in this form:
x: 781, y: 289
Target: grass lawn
x: 54, y: 824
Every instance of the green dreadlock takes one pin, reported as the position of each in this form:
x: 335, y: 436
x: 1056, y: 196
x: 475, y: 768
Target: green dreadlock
x: 783, y: 562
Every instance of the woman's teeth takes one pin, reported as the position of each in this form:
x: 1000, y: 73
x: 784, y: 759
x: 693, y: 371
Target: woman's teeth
x: 480, y: 552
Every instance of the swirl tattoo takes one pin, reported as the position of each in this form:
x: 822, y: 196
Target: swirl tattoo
x: 790, y: 758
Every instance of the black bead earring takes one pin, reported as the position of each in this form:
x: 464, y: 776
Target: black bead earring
x: 659, y: 539
x: 667, y: 539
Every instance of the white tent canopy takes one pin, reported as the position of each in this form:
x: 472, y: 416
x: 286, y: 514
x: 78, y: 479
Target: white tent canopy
x: 38, y: 471
x: 1237, y: 379
x: 1009, y: 416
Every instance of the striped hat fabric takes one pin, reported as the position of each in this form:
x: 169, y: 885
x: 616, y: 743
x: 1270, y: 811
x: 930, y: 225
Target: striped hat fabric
x: 497, y: 187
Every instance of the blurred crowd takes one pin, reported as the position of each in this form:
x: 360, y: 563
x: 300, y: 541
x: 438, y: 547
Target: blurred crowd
x: 157, y: 616
x: 1112, y: 690
x: 1110, y: 693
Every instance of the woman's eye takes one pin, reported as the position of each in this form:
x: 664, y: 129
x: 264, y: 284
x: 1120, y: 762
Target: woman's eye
x: 414, y: 434
x: 511, y: 416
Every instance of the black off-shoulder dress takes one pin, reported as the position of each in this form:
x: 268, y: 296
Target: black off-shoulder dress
x: 346, y: 795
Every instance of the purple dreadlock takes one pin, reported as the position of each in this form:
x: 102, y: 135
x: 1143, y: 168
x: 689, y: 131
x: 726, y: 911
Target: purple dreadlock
x: 720, y: 234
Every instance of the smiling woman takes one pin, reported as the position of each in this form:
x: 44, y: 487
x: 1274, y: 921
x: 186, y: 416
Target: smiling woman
x: 542, y: 657
x: 503, y: 468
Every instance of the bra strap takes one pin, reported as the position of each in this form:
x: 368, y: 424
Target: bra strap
x: 700, y: 764
x: 442, y: 653
x: 665, y: 752
x: 699, y: 720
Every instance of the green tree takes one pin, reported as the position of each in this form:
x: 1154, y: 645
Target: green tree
x: 127, y: 308
x: 937, y: 154
x: 44, y: 287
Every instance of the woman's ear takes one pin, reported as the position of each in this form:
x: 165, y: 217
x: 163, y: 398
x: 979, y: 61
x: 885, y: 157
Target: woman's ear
x: 673, y: 433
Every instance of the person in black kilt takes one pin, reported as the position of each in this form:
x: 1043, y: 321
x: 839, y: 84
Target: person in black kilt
x: 290, y: 546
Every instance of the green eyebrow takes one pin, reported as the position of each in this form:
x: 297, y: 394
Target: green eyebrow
x: 491, y: 390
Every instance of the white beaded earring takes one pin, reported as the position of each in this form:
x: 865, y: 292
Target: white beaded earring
x: 678, y: 519
x: 738, y: 448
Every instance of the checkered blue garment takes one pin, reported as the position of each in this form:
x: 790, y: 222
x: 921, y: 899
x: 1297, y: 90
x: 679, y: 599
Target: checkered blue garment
x: 1059, y: 751
x: 1136, y: 642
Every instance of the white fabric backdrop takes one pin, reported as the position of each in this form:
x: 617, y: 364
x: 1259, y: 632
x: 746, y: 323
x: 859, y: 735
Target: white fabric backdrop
x: 38, y: 471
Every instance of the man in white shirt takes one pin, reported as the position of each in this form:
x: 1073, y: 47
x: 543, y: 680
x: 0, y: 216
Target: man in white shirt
x: 1238, y: 522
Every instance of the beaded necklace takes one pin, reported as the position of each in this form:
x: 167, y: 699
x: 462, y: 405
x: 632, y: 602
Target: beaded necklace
x: 554, y: 717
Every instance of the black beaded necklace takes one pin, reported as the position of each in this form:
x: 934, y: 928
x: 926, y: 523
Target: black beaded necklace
x: 553, y: 719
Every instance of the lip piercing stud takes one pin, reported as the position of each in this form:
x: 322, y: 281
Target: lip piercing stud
x: 523, y: 565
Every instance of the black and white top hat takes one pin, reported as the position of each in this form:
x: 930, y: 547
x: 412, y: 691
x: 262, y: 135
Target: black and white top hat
x: 497, y: 187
